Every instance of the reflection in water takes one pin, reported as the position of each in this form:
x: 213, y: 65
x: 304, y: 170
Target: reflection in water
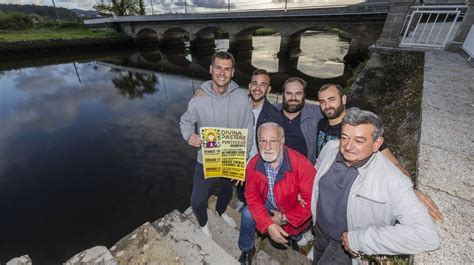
x: 82, y: 165
x: 135, y: 85
x: 322, y: 54
x: 265, y: 52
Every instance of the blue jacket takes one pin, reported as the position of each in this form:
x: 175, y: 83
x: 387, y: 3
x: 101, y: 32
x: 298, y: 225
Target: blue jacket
x: 310, y: 116
x: 268, y: 114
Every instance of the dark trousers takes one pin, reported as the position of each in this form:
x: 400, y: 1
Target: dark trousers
x: 202, y: 189
x: 327, y: 250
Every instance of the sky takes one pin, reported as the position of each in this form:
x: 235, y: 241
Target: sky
x: 165, y: 6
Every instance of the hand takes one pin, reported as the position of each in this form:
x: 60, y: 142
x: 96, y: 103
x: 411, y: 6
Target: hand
x: 194, y: 140
x: 430, y: 205
x: 301, y: 201
x: 345, y: 243
x: 276, y: 218
x: 199, y: 93
x: 277, y: 234
x: 238, y: 182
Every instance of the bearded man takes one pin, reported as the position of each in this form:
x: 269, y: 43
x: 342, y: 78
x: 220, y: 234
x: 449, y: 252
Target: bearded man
x: 300, y: 120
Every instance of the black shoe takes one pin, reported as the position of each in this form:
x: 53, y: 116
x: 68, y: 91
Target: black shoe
x: 293, y: 244
x: 246, y: 257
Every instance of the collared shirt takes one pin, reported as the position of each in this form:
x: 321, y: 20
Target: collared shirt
x: 256, y: 112
x: 271, y: 176
x: 334, y: 189
x: 294, y: 137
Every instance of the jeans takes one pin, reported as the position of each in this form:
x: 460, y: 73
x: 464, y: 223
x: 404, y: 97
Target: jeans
x: 202, y: 190
x: 327, y: 250
x: 248, y: 228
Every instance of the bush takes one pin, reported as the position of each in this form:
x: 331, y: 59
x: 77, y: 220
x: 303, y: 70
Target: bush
x: 15, y: 21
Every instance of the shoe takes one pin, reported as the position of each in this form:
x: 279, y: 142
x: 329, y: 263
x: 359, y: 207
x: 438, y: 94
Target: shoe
x: 246, y: 257
x: 293, y: 245
x: 305, y: 239
x: 206, y: 231
x: 310, y: 255
x: 229, y: 220
x: 240, y: 205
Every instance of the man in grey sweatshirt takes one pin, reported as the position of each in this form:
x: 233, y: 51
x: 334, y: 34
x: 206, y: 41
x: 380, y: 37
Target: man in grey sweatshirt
x: 227, y: 106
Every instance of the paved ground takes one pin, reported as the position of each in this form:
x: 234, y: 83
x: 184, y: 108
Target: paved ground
x: 446, y: 155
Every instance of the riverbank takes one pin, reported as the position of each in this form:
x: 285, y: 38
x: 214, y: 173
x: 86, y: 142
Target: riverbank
x: 25, y: 49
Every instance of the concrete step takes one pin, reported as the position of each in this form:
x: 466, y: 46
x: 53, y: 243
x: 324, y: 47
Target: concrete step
x: 23, y: 260
x: 189, y: 242
x: 223, y: 234
x: 230, y: 210
x: 144, y: 246
x: 227, y: 237
x: 94, y: 255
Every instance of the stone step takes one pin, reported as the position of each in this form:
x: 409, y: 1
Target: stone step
x: 223, y: 234
x: 94, y: 255
x: 230, y: 211
x: 144, y: 246
x: 23, y: 260
x: 187, y: 240
x: 227, y: 237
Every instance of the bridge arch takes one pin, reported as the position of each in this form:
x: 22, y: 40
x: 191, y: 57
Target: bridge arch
x: 147, y: 35
x: 174, y: 38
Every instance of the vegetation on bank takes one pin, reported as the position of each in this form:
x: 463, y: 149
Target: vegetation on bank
x: 21, y: 27
x: 393, y: 90
x: 54, y: 34
x: 391, y: 85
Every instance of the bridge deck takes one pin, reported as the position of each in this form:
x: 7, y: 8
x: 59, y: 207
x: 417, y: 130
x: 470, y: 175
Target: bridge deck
x: 378, y: 8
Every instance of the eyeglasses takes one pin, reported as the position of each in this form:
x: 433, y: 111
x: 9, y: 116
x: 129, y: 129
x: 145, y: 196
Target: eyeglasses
x: 271, y: 142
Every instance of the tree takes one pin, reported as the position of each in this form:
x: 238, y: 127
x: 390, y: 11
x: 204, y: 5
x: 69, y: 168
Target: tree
x: 135, y: 85
x: 121, y: 7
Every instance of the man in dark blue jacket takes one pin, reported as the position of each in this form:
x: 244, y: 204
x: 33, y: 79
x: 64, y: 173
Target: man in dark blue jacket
x: 263, y: 111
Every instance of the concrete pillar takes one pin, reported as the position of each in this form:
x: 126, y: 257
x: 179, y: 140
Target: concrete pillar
x: 289, y: 45
x: 203, y: 43
x: 464, y: 28
x: 390, y: 36
x: 362, y: 37
x: 240, y: 42
x: 288, y: 64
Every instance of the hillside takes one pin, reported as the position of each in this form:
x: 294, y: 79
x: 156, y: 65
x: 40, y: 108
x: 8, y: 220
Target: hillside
x: 44, y: 11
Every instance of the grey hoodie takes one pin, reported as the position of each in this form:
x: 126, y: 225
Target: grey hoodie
x: 230, y: 110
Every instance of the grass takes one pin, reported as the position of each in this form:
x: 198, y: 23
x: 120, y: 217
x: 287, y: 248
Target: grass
x: 54, y: 34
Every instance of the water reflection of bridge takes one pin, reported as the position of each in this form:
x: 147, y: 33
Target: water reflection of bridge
x: 362, y: 22
x: 198, y: 68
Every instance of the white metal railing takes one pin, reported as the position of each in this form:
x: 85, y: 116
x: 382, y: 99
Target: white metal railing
x: 431, y: 26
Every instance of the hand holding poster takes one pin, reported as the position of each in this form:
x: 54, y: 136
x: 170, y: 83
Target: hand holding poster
x: 224, y: 152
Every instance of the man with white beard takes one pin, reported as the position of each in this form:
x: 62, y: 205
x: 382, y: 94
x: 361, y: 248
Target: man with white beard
x: 275, y: 177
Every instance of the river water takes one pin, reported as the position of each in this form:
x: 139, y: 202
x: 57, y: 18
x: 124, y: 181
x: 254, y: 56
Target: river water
x: 90, y: 146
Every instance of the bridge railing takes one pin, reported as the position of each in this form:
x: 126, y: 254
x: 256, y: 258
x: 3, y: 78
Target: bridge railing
x: 431, y: 26
x: 231, y: 6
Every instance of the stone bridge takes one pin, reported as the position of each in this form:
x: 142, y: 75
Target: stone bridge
x: 363, y: 24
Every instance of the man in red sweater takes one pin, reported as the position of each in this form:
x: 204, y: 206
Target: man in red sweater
x: 274, y: 179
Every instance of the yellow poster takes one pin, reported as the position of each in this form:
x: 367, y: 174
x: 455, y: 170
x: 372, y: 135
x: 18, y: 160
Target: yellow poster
x: 224, y: 152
